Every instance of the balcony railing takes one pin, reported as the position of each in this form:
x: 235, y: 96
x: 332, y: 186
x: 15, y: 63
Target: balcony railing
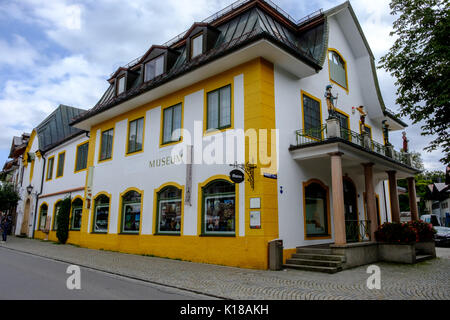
x: 334, y: 130
x: 357, y: 230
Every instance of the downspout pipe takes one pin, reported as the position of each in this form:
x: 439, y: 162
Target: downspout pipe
x: 36, y: 209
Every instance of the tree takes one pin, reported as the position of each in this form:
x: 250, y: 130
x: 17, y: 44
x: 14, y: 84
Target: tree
x: 62, y: 220
x: 420, y: 62
x: 9, y: 197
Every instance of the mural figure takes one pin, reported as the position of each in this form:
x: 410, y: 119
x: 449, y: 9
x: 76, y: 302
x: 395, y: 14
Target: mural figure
x: 330, y: 101
x: 362, y: 118
x: 405, y: 142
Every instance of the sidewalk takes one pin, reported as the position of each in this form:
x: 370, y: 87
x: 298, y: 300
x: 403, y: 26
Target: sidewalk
x: 426, y: 280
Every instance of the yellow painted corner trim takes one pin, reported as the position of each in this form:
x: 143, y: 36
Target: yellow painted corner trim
x: 32, y: 170
x: 345, y: 67
x: 134, y: 117
x: 40, y: 214
x: 155, y: 205
x: 64, y: 162
x: 76, y: 157
x: 92, y: 211
x: 28, y: 148
x: 323, y: 185
x: 119, y: 225
x: 101, y: 142
x: 203, y: 184
x: 161, y: 131
x: 304, y: 93
x: 213, y: 86
x: 47, y: 178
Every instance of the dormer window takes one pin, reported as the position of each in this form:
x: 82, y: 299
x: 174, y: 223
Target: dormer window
x: 121, y: 85
x: 197, y: 45
x: 154, y: 68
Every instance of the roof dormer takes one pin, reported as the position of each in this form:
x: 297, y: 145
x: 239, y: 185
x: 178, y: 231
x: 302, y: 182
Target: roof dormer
x: 157, y: 61
x: 200, y: 38
x: 123, y: 80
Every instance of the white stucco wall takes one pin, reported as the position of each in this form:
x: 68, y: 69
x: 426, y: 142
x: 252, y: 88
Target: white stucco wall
x: 123, y: 172
x: 289, y: 117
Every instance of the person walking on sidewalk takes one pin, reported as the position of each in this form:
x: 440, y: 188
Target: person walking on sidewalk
x: 4, y: 224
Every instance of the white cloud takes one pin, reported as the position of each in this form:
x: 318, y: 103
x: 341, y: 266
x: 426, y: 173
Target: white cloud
x: 18, y: 53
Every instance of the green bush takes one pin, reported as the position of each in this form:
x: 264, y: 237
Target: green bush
x: 392, y: 232
x: 424, y: 231
x: 9, y: 197
x: 62, y: 220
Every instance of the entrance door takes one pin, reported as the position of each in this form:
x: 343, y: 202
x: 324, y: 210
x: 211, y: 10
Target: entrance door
x: 351, y: 211
x: 26, y: 215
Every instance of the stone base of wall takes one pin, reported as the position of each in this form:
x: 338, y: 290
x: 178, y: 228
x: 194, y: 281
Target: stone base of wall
x: 362, y: 253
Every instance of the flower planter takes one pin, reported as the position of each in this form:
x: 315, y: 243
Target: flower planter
x: 400, y: 253
x: 426, y: 248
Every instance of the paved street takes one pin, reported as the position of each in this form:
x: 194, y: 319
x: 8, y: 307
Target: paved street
x: 425, y: 280
x: 24, y: 276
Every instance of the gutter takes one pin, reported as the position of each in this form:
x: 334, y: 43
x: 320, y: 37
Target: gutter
x: 37, y: 197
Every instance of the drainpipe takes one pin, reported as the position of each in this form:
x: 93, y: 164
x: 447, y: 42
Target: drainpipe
x: 36, y: 209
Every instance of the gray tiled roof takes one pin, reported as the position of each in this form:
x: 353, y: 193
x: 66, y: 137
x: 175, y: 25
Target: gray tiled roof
x: 56, y: 128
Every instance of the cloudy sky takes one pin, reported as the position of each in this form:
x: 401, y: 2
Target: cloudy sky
x: 61, y: 51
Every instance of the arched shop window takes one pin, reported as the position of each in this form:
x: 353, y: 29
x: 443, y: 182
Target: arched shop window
x: 169, y: 210
x: 55, y: 214
x: 316, y: 209
x: 338, y: 69
x: 131, y: 212
x: 43, y: 216
x: 77, y: 210
x: 101, y: 213
x: 219, y: 211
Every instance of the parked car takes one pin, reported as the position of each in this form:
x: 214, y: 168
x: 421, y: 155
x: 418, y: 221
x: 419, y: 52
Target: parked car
x: 442, y: 237
x: 431, y: 218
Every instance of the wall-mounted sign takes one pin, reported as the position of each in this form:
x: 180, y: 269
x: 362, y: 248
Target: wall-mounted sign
x: 255, y: 219
x: 255, y: 203
x: 166, y: 161
x: 270, y: 176
x: 237, y: 176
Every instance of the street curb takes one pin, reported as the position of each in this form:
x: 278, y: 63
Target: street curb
x: 121, y: 274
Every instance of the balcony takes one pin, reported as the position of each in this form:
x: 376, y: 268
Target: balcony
x: 333, y: 132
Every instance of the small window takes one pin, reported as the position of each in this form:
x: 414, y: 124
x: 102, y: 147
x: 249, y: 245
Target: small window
x: 77, y: 210
x: 106, y: 144
x: 135, y: 135
x: 101, y: 213
x: 60, y: 168
x: 219, y: 108
x: 368, y: 130
x: 311, y: 116
x: 55, y: 215
x: 131, y: 212
x: 344, y: 123
x: 338, y: 69
x: 316, y: 209
x: 219, y: 215
x: 169, y: 210
x: 120, y: 85
x: 81, y: 158
x: 154, y: 68
x: 172, y: 122
x: 43, y: 216
x: 50, y: 168
x: 197, y: 46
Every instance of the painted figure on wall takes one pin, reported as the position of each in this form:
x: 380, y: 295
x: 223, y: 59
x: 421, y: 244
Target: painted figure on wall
x: 330, y: 101
x: 405, y: 142
x: 362, y: 118
x: 386, y: 132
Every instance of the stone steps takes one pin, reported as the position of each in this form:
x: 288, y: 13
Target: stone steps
x: 313, y: 268
x: 315, y: 259
x: 314, y: 256
x: 423, y: 257
x: 324, y: 263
